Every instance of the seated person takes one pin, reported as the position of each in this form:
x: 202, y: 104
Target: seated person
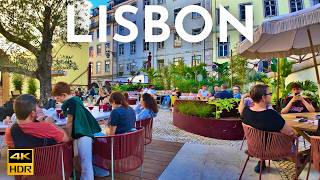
x: 260, y: 117
x: 297, y: 103
x: 203, y: 93
x: 152, y: 91
x: 122, y: 117
x: 147, y: 108
x: 246, y: 101
x: 26, y: 132
x: 216, y: 89
x: 6, y: 109
x: 236, y: 92
x: 103, y: 94
x: 224, y: 93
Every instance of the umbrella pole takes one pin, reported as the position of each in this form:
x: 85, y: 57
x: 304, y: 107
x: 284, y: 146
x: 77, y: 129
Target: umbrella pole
x: 314, y: 59
x: 278, y: 85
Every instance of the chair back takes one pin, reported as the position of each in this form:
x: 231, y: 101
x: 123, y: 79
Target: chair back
x: 268, y: 145
x: 128, y: 151
x: 315, y: 152
x: 147, y: 124
x: 52, y: 162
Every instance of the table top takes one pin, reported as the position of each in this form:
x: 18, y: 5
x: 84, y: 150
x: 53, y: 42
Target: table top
x: 61, y: 122
x: 311, y: 125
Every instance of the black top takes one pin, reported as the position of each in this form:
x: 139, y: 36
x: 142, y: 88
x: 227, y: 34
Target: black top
x: 23, y: 140
x: 267, y: 120
x: 223, y: 95
x: 297, y: 107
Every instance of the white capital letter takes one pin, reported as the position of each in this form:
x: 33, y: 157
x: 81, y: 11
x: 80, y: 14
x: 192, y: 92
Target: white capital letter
x: 125, y: 23
x: 103, y: 23
x: 226, y: 17
x: 161, y: 23
x: 207, y: 20
x: 71, y: 37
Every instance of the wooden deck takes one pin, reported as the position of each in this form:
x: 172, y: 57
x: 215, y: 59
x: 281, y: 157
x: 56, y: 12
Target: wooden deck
x: 157, y: 157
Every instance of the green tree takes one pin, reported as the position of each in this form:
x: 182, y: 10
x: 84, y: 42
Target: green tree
x: 32, y: 27
x: 32, y: 86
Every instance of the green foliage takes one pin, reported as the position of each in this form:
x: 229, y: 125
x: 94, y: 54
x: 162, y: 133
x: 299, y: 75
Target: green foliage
x: 223, y: 104
x: 32, y: 86
x: 195, y: 109
x: 239, y: 70
x: 17, y: 82
x: 151, y: 73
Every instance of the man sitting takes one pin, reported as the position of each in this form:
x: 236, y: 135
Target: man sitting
x: 26, y: 132
x: 260, y: 117
x: 203, y: 93
x: 297, y: 103
x: 224, y: 93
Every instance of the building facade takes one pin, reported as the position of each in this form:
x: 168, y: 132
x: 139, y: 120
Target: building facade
x: 263, y: 9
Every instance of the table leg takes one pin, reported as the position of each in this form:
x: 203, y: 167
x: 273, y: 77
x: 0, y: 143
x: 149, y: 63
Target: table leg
x: 303, y: 134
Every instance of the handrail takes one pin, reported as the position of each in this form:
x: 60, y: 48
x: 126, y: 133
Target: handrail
x: 78, y: 77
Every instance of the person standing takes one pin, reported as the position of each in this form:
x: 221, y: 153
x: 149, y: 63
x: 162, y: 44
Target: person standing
x: 81, y: 126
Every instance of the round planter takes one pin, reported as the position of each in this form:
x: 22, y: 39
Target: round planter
x: 225, y: 128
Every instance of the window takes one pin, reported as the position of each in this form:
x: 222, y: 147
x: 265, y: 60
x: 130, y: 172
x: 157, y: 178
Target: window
x: 270, y: 8
x: 295, y: 5
x: 145, y: 45
x: 223, y: 48
x: 242, y: 38
x: 90, y: 51
x: 108, y: 30
x: 133, y: 47
x: 121, y: 30
x: 121, y: 69
x: 194, y: 14
x: 242, y: 10
x: 177, y: 60
x: 314, y: 2
x: 160, y: 45
x: 121, y: 49
x: 196, y: 60
x: 107, y: 45
x: 107, y: 66
x: 98, y: 68
x: 131, y: 67
x: 196, y: 32
x: 108, y: 54
x: 218, y: 14
x: 176, y: 11
x: 160, y: 63
x: 99, y: 50
x: 177, y: 40
x: 160, y: 1
x: 98, y: 33
x: 146, y: 2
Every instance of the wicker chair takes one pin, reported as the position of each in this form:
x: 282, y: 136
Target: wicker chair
x: 269, y: 146
x: 52, y: 162
x: 315, y: 154
x: 120, y: 153
x: 147, y: 125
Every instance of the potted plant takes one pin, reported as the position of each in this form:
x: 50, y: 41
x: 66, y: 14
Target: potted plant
x: 17, y: 82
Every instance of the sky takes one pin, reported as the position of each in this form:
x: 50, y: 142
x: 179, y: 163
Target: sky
x: 96, y: 3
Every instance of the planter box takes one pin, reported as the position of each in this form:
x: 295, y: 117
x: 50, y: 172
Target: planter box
x: 225, y: 128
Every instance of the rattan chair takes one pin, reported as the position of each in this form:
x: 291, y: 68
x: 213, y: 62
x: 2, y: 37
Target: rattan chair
x: 52, y: 162
x: 315, y: 154
x: 269, y: 146
x: 147, y: 124
x: 119, y: 153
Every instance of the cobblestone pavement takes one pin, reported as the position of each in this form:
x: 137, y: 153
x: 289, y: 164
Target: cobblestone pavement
x: 163, y: 129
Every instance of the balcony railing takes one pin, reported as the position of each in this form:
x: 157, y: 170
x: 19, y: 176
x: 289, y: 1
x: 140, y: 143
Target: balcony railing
x: 94, y: 25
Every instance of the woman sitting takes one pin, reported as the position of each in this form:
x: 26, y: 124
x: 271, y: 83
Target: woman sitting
x: 147, y: 108
x: 122, y: 117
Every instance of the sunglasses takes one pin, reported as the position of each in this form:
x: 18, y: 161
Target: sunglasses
x: 268, y: 94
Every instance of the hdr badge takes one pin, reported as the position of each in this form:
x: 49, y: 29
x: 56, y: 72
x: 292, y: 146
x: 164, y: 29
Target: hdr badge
x: 20, y: 162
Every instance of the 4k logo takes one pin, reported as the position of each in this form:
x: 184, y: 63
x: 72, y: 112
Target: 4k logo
x: 20, y: 162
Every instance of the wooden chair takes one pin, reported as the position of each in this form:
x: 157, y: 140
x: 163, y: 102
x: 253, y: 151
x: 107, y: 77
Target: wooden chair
x: 120, y: 153
x: 52, y: 162
x: 147, y: 124
x: 269, y: 146
x: 315, y: 154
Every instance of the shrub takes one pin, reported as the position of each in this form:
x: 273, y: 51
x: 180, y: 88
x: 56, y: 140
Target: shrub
x: 32, y: 86
x: 195, y: 109
x: 17, y: 82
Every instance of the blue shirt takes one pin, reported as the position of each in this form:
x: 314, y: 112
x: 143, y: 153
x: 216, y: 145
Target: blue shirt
x: 223, y: 95
x: 123, y: 118
x: 143, y: 113
x: 237, y: 96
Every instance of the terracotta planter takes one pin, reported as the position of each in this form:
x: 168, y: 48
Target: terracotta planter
x: 225, y: 128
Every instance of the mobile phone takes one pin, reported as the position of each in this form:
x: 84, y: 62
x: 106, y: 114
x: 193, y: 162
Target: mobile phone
x: 302, y: 117
x: 297, y: 94
x: 303, y: 120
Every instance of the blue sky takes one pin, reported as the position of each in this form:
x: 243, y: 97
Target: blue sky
x: 96, y: 3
